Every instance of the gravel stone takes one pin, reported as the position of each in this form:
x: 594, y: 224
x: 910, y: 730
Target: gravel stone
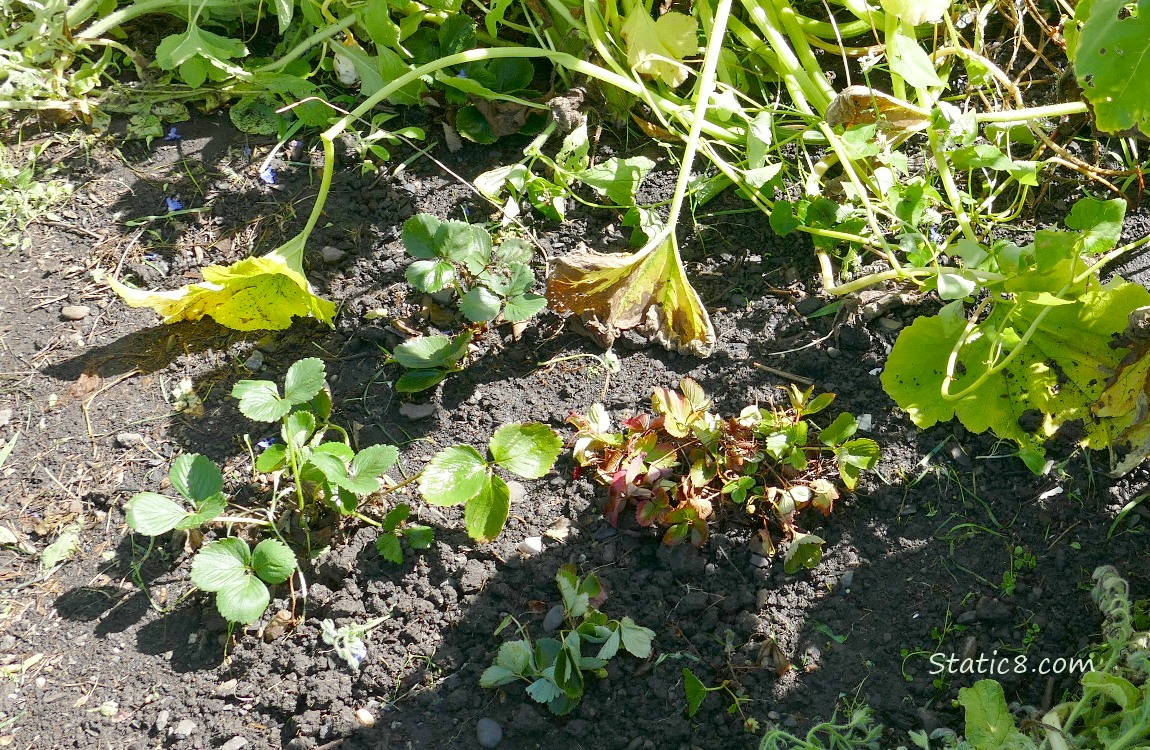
x: 184, y: 729
x: 75, y: 312
x: 488, y: 732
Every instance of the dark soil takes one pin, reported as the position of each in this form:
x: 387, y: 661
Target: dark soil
x: 914, y: 563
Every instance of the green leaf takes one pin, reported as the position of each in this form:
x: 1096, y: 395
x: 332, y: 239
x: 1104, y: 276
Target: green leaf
x: 196, y: 477
x: 514, y: 250
x: 430, y: 275
x: 374, y: 461
x: 1099, y: 221
x: 804, y: 551
x: 989, y: 725
x: 151, y: 515
x: 389, y: 548
x: 419, y: 537
x: 495, y: 675
x: 273, y: 561
x: 298, y: 429
x: 523, y: 306
x: 454, y: 476
x: 527, y: 450
x: 424, y: 352
x: 783, y: 219
x: 220, y: 564
x: 575, y: 601
x: 544, y: 690
x: 480, y: 305
x: 419, y: 236
x: 260, y: 400
x: 207, y: 510
x: 473, y: 126
x: 244, y: 601
x: 839, y: 430
x: 456, y: 34
x: 396, y: 516
x: 637, y: 640
x: 486, y: 512
x: 1116, y: 688
x: 910, y: 61
x: 617, y: 179
x: 177, y: 49
x: 654, y: 48
x: 956, y: 284
x: 610, y: 646
x: 1112, y: 62
x: 272, y: 459
x: 696, y: 691
x: 304, y: 380
x: 419, y: 380
x: 515, y: 656
x: 854, y: 457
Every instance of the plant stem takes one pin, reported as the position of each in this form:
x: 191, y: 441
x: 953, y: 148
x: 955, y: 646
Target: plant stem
x: 321, y: 35
x: 241, y: 519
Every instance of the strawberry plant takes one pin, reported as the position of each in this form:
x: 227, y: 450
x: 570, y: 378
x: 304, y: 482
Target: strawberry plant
x: 673, y: 466
x: 553, y: 668
x: 490, y: 281
x: 395, y: 528
x: 460, y: 475
x: 428, y: 360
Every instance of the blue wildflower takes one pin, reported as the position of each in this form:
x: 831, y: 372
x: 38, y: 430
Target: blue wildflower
x: 266, y: 443
x: 174, y: 204
x: 268, y: 176
x: 356, y: 652
x: 173, y: 135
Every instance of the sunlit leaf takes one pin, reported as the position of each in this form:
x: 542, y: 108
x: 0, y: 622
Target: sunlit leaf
x: 654, y: 48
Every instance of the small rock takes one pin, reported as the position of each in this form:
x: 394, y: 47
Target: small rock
x: 364, y: 717
x: 845, y: 582
x: 488, y: 732
x: 762, y: 598
x: 255, y: 361
x: 227, y: 687
x: 332, y: 254
x: 129, y: 439
x: 162, y: 720
x: 833, y: 351
x: 554, y: 619
x: 184, y: 729
x: 929, y: 720
x: 416, y: 411
x: 759, y: 561
x: 532, y: 545
x: 991, y: 610
x: 865, y: 422
x: 75, y: 312
x: 235, y: 743
x: 5, y: 417
x: 889, y: 324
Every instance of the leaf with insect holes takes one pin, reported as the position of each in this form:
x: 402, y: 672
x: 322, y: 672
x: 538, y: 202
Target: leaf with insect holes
x: 221, y: 563
x: 696, y: 691
x: 244, y: 600
x: 527, y: 450
x: 196, y: 477
x: 453, y: 476
x: 989, y: 723
x: 486, y: 512
x: 1111, y: 59
x: 151, y: 514
x: 273, y: 561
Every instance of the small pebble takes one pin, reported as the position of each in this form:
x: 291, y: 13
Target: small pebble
x: 184, y: 729
x: 865, y: 422
x: 845, y: 582
x: 75, y: 312
x: 162, y: 720
x: 759, y: 561
x: 488, y: 732
x: 227, y: 688
x: 762, y: 598
x: 235, y: 743
x: 515, y: 491
x: 833, y: 352
x: 554, y: 619
x: 332, y: 254
x: 255, y: 362
x: 890, y: 324
x: 416, y: 411
x: 129, y: 439
x: 532, y: 545
x: 364, y: 717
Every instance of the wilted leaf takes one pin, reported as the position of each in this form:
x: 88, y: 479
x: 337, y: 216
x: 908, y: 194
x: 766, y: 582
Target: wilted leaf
x: 862, y: 105
x: 654, y: 48
x: 253, y: 294
x: 647, y: 291
x: 1127, y: 394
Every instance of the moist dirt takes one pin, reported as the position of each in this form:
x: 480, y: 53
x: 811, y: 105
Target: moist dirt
x: 114, y: 649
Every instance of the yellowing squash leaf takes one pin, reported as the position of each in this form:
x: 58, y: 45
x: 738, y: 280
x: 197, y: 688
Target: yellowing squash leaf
x: 647, y: 290
x: 262, y: 293
x: 1127, y: 395
x: 655, y: 48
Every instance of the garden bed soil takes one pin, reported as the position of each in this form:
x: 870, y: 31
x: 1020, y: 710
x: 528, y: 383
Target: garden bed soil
x: 914, y: 561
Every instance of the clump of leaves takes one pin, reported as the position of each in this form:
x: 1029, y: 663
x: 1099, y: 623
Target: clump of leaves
x: 428, y: 360
x: 198, y: 481
x: 328, y: 471
x: 238, y: 575
x: 674, y: 465
x: 460, y: 475
x: 553, y: 668
x: 350, y: 641
x: 395, y: 527
x: 491, y: 281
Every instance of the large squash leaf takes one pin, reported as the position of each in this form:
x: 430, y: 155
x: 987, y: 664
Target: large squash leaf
x: 1108, y: 42
x: 262, y: 293
x: 647, y: 290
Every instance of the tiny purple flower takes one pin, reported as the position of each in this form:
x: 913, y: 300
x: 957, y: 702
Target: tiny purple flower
x: 248, y: 151
x: 174, y: 204
x: 357, y: 652
x: 268, y: 176
x: 173, y: 135
x: 265, y: 443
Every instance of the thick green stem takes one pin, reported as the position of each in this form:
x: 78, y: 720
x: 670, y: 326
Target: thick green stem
x: 1033, y: 113
x: 323, y: 34
x: 948, y: 184
x: 142, y: 8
